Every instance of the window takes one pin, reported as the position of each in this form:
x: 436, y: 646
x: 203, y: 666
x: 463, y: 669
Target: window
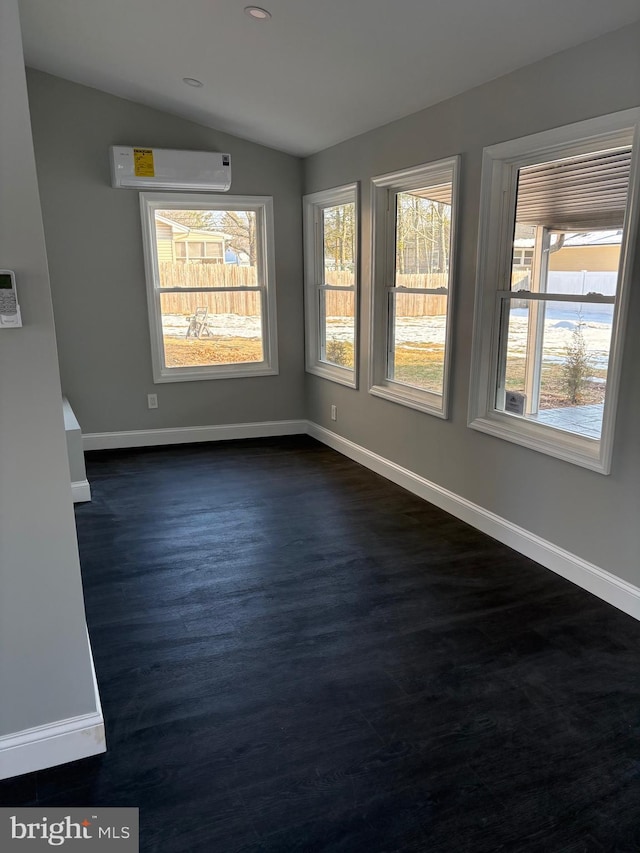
x: 199, y: 252
x: 331, y: 283
x: 522, y: 257
x: 210, y: 285
x: 548, y: 335
x: 414, y: 214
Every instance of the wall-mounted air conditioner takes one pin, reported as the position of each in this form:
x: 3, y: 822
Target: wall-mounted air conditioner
x: 164, y: 169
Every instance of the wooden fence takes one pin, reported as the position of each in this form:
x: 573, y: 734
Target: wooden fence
x: 209, y: 275
x: 206, y: 275
x: 338, y: 303
x: 234, y: 302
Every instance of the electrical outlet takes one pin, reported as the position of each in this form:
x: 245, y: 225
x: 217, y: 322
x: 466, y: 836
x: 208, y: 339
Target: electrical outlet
x: 334, y: 413
x: 152, y: 401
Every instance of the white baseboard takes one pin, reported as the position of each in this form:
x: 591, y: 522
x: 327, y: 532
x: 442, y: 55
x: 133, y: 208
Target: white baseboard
x: 50, y: 745
x: 80, y: 491
x: 54, y: 743
x: 621, y: 594
x: 186, y: 435
x: 608, y: 587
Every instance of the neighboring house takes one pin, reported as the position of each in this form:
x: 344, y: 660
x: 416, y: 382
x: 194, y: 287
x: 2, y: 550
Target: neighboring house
x: 595, y: 251
x: 178, y: 243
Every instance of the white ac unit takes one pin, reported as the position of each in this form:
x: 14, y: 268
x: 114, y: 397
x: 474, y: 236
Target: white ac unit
x: 164, y: 169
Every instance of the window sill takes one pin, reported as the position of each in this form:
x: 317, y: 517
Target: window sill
x: 341, y: 375
x: 578, y: 450
x: 194, y: 374
x: 422, y: 401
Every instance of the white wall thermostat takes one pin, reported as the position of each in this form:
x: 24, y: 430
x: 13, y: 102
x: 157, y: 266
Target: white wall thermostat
x: 9, y: 309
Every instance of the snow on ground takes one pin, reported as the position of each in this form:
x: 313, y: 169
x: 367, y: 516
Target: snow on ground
x: 409, y: 330
x: 220, y: 325
x: 558, y: 335
x: 558, y: 331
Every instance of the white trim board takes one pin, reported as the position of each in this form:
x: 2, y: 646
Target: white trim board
x: 80, y: 491
x: 54, y: 743
x: 614, y: 590
x: 187, y: 435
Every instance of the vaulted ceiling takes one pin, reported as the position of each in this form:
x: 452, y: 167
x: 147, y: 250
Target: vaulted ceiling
x: 316, y: 72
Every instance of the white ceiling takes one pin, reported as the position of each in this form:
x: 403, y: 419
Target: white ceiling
x: 318, y: 72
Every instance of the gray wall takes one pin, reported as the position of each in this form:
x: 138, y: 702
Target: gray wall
x: 93, y: 233
x: 591, y: 515
x: 97, y: 276
x: 45, y: 669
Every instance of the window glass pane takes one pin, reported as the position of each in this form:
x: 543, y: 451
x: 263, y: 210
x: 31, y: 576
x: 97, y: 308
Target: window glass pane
x: 330, y: 261
x: 556, y: 355
x: 573, y: 262
x: 214, y: 250
x: 419, y: 323
x: 338, y: 327
x: 211, y: 328
x: 584, y: 262
x: 422, y: 238
x: 228, y: 257
x: 522, y: 259
x: 569, y: 215
x: 338, y: 232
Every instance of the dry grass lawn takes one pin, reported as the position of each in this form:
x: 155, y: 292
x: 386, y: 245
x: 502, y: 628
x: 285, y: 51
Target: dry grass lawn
x: 418, y: 364
x: 191, y: 352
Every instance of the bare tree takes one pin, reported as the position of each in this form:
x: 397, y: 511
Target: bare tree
x: 423, y: 228
x: 339, y: 236
x: 200, y: 219
x: 240, y: 228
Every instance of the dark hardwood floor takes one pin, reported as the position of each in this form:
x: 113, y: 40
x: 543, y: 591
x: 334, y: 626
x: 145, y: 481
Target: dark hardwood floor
x: 296, y: 655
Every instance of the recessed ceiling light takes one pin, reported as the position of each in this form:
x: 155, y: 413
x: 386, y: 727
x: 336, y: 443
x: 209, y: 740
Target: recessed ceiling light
x: 257, y: 13
x: 191, y: 81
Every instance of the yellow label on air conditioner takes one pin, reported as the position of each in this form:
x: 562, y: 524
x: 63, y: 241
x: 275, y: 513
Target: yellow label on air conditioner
x: 143, y: 163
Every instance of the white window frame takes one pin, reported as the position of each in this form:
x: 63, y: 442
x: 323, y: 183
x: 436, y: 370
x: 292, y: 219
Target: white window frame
x: 313, y: 206
x: 263, y: 208
x: 497, y: 214
x: 383, y: 252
